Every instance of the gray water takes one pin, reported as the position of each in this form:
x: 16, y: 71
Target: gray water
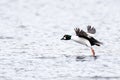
x: 30, y: 45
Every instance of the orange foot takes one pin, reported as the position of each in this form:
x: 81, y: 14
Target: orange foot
x: 93, y: 52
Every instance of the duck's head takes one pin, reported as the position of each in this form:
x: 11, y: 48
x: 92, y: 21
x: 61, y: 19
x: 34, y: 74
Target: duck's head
x: 66, y: 37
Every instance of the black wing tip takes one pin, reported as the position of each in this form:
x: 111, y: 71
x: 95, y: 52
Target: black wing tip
x: 91, y: 29
x: 77, y: 30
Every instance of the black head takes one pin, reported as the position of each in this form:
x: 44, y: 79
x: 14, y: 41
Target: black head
x: 66, y: 37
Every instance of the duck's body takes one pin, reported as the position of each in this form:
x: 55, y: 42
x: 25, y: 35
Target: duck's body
x: 84, y: 38
x: 81, y: 40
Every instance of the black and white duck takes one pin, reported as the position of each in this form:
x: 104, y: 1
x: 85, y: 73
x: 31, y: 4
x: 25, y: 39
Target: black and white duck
x: 85, y: 38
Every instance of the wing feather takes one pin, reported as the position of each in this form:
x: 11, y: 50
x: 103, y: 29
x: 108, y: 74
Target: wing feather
x: 80, y: 33
x: 91, y: 30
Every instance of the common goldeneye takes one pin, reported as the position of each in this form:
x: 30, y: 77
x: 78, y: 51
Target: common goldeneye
x: 85, y: 38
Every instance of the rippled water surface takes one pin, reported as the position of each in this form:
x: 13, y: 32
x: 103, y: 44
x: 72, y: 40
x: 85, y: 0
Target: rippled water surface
x: 30, y: 45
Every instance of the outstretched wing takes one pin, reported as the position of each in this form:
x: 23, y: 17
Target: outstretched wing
x: 80, y: 33
x: 91, y: 30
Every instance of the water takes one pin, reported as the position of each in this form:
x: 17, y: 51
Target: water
x: 31, y: 49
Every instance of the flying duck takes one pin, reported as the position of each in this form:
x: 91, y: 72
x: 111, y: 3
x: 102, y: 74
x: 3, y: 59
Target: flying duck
x: 85, y: 38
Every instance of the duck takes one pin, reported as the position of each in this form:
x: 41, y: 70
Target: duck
x: 84, y: 38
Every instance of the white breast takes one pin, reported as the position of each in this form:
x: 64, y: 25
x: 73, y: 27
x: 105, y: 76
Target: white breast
x: 81, y: 40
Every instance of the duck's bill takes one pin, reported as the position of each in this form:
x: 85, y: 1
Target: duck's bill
x: 62, y: 38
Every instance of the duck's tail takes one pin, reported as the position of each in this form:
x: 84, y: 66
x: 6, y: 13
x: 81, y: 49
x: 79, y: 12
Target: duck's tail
x: 98, y: 43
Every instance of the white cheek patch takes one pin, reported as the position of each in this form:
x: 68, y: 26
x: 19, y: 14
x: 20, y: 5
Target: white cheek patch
x: 64, y: 37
